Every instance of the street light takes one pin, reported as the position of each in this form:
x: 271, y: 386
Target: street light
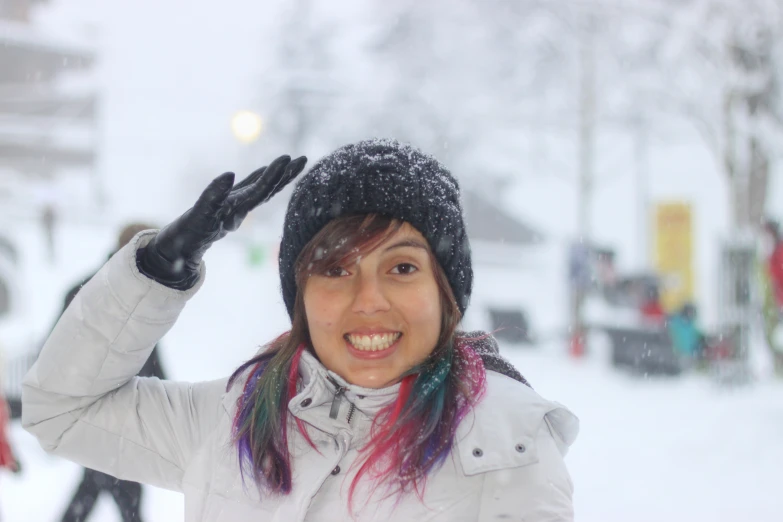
x: 246, y: 126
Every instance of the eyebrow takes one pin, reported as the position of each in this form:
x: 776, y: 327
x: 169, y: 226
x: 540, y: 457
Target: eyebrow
x: 407, y: 243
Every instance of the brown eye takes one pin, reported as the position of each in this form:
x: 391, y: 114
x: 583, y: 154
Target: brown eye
x: 336, y: 271
x: 404, y: 269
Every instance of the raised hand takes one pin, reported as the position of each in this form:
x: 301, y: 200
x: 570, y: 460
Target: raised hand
x: 172, y: 258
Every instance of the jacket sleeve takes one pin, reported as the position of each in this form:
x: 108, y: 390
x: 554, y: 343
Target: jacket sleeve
x: 551, y: 490
x: 81, y: 399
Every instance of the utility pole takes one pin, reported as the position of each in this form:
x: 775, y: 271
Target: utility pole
x: 641, y: 137
x: 586, y: 128
x: 581, y: 283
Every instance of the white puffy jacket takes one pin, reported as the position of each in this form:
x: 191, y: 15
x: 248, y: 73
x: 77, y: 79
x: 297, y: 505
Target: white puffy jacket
x: 82, y: 401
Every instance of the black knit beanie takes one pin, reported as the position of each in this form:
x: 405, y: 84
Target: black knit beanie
x: 386, y: 177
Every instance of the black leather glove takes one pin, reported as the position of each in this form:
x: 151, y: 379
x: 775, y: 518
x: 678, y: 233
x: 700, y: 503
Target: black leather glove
x: 173, y: 257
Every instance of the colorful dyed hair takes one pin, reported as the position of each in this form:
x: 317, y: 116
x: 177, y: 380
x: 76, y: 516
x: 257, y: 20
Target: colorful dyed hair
x: 409, y: 438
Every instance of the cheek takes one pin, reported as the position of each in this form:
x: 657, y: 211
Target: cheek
x: 423, y: 308
x: 321, y: 310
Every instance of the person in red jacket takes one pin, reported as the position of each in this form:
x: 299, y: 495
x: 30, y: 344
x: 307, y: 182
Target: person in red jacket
x: 773, y: 251
x: 7, y: 458
x: 651, y: 309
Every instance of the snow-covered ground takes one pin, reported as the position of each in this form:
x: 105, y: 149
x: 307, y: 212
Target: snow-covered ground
x: 649, y: 450
x: 673, y: 450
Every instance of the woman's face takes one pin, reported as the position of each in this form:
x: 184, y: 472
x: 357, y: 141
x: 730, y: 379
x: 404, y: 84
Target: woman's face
x: 378, y: 317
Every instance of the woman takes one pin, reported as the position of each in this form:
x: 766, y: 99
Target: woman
x: 372, y: 406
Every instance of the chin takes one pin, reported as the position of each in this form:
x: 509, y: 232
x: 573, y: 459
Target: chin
x: 380, y: 381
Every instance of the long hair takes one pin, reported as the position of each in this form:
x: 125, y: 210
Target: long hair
x: 410, y: 437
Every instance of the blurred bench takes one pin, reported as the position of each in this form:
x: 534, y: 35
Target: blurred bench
x: 647, y: 351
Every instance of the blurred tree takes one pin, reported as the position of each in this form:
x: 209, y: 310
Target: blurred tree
x: 716, y: 63
x: 420, y: 52
x: 300, y: 82
x: 471, y: 80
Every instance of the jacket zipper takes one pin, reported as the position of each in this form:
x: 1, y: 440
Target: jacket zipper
x: 339, y: 394
x: 338, y: 398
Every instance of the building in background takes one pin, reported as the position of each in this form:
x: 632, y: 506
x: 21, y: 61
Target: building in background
x: 48, y: 116
x: 48, y: 150
x: 508, y: 270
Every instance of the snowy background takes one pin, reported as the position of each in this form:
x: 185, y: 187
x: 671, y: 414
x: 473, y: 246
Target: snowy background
x: 499, y: 103
x: 680, y: 450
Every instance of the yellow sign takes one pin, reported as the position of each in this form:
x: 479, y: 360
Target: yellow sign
x: 674, y: 253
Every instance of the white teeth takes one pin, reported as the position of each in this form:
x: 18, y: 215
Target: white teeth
x: 373, y: 343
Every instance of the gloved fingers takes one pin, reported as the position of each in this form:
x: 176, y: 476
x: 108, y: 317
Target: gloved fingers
x: 243, y: 191
x: 259, y: 187
x: 249, y: 180
x: 276, y: 170
x: 215, y: 194
x: 291, y: 172
x: 251, y: 196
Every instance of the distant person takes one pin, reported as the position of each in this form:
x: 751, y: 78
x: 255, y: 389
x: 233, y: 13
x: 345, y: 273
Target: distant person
x: 651, y: 308
x: 8, y: 458
x: 126, y: 494
x: 687, y: 339
x: 772, y: 252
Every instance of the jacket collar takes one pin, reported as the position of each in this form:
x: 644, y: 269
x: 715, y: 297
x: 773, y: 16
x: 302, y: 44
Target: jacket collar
x: 329, y: 403
x: 320, y: 385
x: 325, y: 384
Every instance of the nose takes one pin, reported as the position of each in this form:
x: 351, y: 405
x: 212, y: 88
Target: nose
x: 369, y: 297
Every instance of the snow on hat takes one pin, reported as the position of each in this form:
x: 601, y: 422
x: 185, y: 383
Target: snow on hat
x: 386, y: 177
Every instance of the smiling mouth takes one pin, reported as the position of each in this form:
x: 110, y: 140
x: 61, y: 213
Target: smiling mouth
x: 373, y: 343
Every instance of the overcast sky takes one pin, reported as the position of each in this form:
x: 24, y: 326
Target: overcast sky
x: 171, y: 75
